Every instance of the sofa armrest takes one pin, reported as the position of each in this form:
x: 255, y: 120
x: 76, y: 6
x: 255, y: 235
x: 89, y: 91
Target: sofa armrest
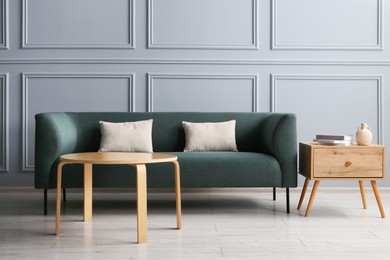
x: 278, y: 138
x: 55, y: 134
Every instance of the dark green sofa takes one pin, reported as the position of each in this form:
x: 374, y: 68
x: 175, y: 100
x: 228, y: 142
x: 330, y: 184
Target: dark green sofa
x: 266, y: 157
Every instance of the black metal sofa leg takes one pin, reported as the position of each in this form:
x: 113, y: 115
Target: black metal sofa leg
x: 44, y: 201
x: 274, y: 193
x: 64, y: 195
x: 288, y: 200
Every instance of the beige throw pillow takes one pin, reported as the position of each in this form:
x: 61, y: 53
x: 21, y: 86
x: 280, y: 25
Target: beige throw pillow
x: 126, y: 137
x: 219, y: 136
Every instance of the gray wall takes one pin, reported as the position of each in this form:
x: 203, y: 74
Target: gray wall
x: 324, y: 60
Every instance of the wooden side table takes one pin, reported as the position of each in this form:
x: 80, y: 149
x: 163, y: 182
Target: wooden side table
x: 357, y: 163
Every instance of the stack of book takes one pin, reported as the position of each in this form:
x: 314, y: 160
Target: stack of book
x: 334, y: 139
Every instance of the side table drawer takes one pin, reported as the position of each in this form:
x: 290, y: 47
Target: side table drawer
x: 348, y: 163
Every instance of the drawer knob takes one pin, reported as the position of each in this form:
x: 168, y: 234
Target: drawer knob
x: 348, y: 163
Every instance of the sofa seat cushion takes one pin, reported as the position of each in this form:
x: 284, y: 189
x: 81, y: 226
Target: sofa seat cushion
x: 222, y: 169
x: 198, y: 170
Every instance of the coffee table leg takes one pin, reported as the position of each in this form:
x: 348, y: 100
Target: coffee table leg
x: 178, y: 194
x: 378, y: 198
x: 58, y: 205
x: 312, y: 196
x: 361, y: 185
x: 142, y: 221
x: 303, y: 193
x: 87, y: 192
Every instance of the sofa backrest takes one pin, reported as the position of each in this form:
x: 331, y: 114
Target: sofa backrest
x: 168, y: 133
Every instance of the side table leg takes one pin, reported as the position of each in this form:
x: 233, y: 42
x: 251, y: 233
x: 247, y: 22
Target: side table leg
x: 312, y: 196
x: 142, y: 221
x: 87, y: 192
x: 303, y: 193
x: 178, y: 194
x: 378, y: 198
x: 361, y: 185
x: 58, y: 205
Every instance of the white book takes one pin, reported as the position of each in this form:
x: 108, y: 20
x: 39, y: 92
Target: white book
x: 333, y: 142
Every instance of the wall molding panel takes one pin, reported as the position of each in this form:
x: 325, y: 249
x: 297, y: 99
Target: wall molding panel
x: 229, y: 40
x: 275, y: 79
x: 4, y: 34
x: 30, y: 39
x: 153, y: 77
x: 27, y: 77
x: 293, y: 40
x: 4, y: 123
x: 163, y: 61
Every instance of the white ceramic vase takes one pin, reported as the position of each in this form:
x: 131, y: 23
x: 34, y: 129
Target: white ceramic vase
x: 363, y: 135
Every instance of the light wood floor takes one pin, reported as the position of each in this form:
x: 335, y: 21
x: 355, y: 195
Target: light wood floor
x: 217, y: 224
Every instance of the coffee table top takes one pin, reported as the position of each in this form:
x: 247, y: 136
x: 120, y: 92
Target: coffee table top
x: 117, y: 158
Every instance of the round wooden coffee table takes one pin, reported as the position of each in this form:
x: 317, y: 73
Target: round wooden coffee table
x: 138, y: 160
